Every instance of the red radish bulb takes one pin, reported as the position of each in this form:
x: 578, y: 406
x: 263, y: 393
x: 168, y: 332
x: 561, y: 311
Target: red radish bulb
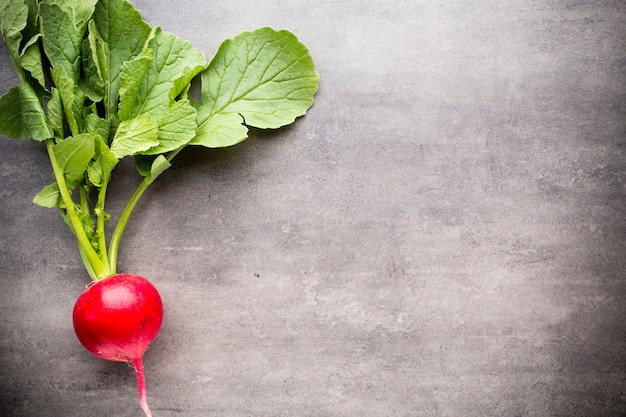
x: 116, y: 318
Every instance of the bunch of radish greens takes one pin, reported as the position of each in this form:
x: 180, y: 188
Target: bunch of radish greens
x: 97, y: 83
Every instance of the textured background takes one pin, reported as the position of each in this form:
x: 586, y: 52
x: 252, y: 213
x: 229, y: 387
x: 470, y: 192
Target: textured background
x: 444, y: 234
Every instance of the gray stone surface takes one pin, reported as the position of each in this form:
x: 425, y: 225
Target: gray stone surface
x: 444, y: 234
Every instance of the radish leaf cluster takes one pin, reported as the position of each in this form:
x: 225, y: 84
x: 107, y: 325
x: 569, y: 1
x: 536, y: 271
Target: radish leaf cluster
x: 98, y: 84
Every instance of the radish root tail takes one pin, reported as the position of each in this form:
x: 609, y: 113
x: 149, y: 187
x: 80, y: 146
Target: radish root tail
x: 141, y: 386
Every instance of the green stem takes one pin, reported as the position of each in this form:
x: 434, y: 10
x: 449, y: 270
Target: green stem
x: 84, y: 200
x: 100, y: 219
x: 84, y: 203
x: 88, y: 267
x: 116, y: 237
x: 121, y: 224
x: 91, y: 259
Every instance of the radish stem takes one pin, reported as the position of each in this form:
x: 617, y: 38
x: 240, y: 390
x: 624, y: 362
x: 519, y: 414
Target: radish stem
x: 91, y: 259
x: 121, y: 224
x: 100, y: 219
x: 128, y: 210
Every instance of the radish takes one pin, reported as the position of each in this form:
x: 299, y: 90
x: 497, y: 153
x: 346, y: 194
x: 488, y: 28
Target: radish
x: 99, y: 84
x: 116, y: 318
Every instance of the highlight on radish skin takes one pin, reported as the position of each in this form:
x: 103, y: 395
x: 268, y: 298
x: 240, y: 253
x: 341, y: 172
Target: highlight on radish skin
x: 116, y: 319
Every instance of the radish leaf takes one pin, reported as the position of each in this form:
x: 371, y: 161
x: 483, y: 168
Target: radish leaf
x: 121, y: 35
x: 55, y: 112
x: 49, y: 197
x: 159, y: 165
x: 97, y: 126
x: 92, y: 82
x: 99, y: 171
x: 177, y: 126
x: 150, y: 84
x: 71, y: 102
x: 264, y: 79
x: 21, y: 111
x: 132, y: 75
x: 135, y: 136
x: 161, y: 75
x: 79, y: 11
x: 73, y: 155
x: 62, y: 40
x: 31, y: 60
x: 22, y: 115
x: 13, y: 19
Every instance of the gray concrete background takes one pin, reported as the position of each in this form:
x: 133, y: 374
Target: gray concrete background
x: 444, y: 234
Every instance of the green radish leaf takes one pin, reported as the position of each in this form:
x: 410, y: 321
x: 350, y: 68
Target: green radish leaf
x: 122, y: 34
x: 91, y: 82
x: 49, y: 197
x: 13, y: 19
x: 21, y: 112
x: 73, y: 155
x: 55, y: 113
x: 79, y: 11
x: 94, y: 64
x: 264, y: 79
x: 151, y: 166
x: 144, y: 163
x: 151, y: 82
x: 22, y: 116
x: 63, y: 25
x: 219, y: 130
x: 177, y: 126
x: 32, y: 62
x: 132, y: 75
x: 32, y: 28
x: 135, y: 136
x: 161, y: 77
x: 97, y: 126
x: 159, y: 165
x: 99, y: 172
x: 70, y: 98
x: 62, y: 40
